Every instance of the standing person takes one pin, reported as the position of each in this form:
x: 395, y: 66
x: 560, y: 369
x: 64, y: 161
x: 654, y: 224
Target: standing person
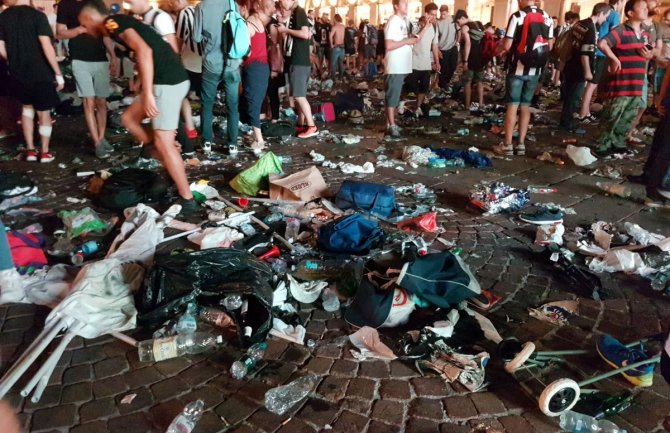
x: 425, y: 58
x: 525, y: 69
x: 571, y: 19
x: 600, y: 73
x: 625, y: 48
x: 256, y: 72
x: 322, y: 41
x: 91, y: 70
x: 276, y: 58
x: 350, y: 46
x: 397, y: 62
x: 337, y: 48
x: 381, y: 45
x: 164, y: 85
x: 297, y: 37
x: 663, y: 59
x: 472, y: 40
x: 579, y: 67
x: 25, y: 43
x: 370, y: 50
x: 215, y: 69
x: 447, y: 30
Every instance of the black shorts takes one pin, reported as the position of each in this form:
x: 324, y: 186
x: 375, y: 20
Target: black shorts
x: 42, y: 96
x: 599, y: 68
x: 196, y: 81
x: 418, y: 82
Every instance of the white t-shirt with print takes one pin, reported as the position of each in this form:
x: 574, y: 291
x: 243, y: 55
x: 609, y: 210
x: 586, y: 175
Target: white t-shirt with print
x: 161, y: 21
x: 422, y: 52
x: 398, y: 61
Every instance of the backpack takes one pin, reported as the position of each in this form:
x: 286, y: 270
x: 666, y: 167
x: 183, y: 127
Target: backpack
x: 373, y: 36
x: 490, y: 44
x: 476, y: 33
x: 131, y: 186
x: 533, y: 47
x: 26, y: 249
x: 350, y: 40
x: 236, y: 42
x: 367, y: 197
x: 351, y: 234
x: 564, y: 48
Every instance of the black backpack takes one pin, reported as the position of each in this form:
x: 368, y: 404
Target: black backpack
x: 350, y: 39
x: 532, y: 49
x: 131, y: 186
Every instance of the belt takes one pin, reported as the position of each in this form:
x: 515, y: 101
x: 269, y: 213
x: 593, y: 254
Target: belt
x: 338, y: 46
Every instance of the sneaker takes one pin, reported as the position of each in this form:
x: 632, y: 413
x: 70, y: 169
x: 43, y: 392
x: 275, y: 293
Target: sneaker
x: 617, y: 355
x: 188, y: 206
x: 206, y: 146
x: 232, y: 149
x: 101, y: 152
x: 31, y: 155
x: 504, y: 149
x: 46, y: 157
x: 520, y: 149
x: 418, y: 113
x: 588, y: 119
x: 299, y: 129
x: 108, y: 147
x: 310, y: 131
x: 543, y: 215
x: 393, y: 131
x: 657, y: 200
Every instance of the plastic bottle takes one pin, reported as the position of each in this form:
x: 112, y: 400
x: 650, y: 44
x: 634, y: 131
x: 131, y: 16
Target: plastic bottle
x: 232, y: 302
x: 660, y: 281
x: 293, y: 211
x: 579, y: 423
x: 285, y: 159
x: 187, y: 322
x: 617, y: 189
x: 292, y: 229
x: 335, y: 342
x: 329, y: 300
x: 216, y: 317
x: 312, y: 270
x: 279, y: 400
x: 172, y: 347
x: 246, y: 363
x: 188, y: 418
x: 279, y: 266
x: 85, y: 250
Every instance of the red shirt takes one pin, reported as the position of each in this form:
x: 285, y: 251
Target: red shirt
x: 259, y: 49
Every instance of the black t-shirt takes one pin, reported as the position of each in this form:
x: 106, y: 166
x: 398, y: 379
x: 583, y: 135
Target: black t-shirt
x: 300, y: 50
x: 83, y: 47
x: 20, y: 28
x: 586, y: 37
x: 322, y: 34
x: 167, y: 65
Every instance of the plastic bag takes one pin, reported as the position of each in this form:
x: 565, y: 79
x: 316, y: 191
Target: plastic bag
x: 255, y: 178
x: 281, y: 399
x: 581, y: 156
x: 85, y: 221
x: 208, y: 276
x: 498, y: 197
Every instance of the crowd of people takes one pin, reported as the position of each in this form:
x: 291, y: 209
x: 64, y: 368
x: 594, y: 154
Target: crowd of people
x: 179, y: 52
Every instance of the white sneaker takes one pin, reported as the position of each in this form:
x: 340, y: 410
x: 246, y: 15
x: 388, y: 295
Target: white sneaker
x: 207, y: 146
x: 232, y: 149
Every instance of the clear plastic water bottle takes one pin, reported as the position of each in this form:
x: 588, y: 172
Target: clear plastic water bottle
x: 579, y: 423
x: 246, y: 363
x: 185, y: 422
x: 330, y: 301
x: 279, y: 400
x: 216, y: 317
x: 171, y: 347
x: 187, y: 322
x: 285, y: 159
x: 660, y: 281
x: 232, y: 302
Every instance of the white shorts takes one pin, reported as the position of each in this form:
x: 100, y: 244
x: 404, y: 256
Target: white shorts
x: 92, y: 78
x: 168, y: 101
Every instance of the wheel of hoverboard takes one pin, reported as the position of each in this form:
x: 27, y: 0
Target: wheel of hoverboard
x: 560, y: 396
x: 521, y: 357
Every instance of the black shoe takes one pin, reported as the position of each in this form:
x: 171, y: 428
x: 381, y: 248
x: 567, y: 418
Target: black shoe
x: 188, y: 206
x: 641, y: 179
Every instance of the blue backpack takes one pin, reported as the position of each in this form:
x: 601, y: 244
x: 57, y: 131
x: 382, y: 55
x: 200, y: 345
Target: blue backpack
x: 236, y: 42
x: 351, y: 234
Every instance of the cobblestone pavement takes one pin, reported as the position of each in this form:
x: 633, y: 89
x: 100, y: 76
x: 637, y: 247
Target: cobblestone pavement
x: 372, y: 396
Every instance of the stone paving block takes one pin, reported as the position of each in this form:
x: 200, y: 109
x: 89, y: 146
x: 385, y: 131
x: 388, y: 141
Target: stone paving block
x: 460, y: 408
x: 142, y: 377
x: 373, y: 369
x: 169, y: 388
x: 255, y: 390
x: 236, y: 408
x: 164, y: 412
x: 266, y: 420
x: 363, y: 388
x: 50, y: 397
x: 276, y: 373
x: 138, y: 422
x: 319, y: 366
x: 421, y: 425
x: 431, y: 387
x: 91, y: 427
x: 389, y: 412
x: 540, y: 422
x: 400, y: 369
x: 295, y: 354
x: 329, y: 351
x: 349, y: 422
x: 380, y: 427
x: 487, y: 403
x: 344, y: 368
x: 81, y: 373
x: 515, y: 424
x: 210, y: 423
x: 110, y: 367
x: 426, y: 408
x: 53, y: 417
x: 19, y: 323
x: 333, y: 388
x: 144, y: 399
x: 318, y: 412
x: 109, y: 387
x: 395, y: 389
x: 17, y: 310
x: 455, y: 428
x: 97, y: 409
x: 199, y: 374
x: 491, y: 423
x: 296, y: 426
x: 357, y: 405
x: 172, y: 366
x: 77, y: 393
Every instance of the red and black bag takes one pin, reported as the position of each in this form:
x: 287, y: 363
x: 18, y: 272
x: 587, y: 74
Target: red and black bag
x: 533, y: 46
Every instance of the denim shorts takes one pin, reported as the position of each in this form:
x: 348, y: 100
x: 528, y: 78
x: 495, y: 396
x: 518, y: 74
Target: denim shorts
x: 521, y: 89
x: 393, y: 89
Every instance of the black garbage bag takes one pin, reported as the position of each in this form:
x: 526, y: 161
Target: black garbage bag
x: 207, y: 277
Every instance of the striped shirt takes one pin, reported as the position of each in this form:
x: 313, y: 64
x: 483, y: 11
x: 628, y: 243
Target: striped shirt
x: 514, y: 30
x: 191, y: 52
x: 625, y: 44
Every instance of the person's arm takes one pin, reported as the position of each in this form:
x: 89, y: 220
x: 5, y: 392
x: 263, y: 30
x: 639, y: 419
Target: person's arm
x: 113, y: 65
x: 50, y: 54
x: 171, y: 39
x: 145, y: 63
x: 436, y: 56
x: 391, y: 44
x: 607, y: 51
x: 3, y: 50
x: 467, y: 45
x: 586, y: 65
x: 663, y: 91
x: 331, y: 36
x: 62, y: 32
x: 197, y: 24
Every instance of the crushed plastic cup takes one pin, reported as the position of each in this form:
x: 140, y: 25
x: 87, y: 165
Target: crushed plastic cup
x: 281, y: 399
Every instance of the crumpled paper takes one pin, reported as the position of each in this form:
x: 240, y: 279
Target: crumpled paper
x: 581, y: 156
x: 550, y: 234
x: 295, y: 334
x: 215, y: 237
x: 349, y: 168
x: 367, y: 341
x: 621, y: 260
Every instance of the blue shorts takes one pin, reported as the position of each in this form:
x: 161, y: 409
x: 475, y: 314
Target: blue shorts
x: 521, y: 89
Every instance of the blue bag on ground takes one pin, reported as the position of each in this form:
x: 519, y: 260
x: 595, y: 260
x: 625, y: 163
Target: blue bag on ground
x: 370, y: 197
x: 442, y: 279
x: 351, y: 234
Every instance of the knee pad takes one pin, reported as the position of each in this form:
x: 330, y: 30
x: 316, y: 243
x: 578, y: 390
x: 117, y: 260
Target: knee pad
x: 28, y: 112
x: 45, y: 131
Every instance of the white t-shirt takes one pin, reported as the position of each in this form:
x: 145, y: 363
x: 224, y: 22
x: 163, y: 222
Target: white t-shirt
x: 398, y: 61
x: 191, y: 52
x: 422, y: 52
x: 160, y: 21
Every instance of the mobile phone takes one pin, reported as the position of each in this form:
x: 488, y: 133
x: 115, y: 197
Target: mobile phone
x: 649, y: 47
